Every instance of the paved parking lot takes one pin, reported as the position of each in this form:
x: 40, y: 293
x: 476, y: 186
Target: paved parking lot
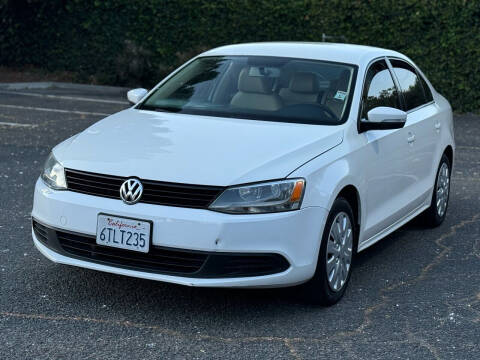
x: 415, y: 295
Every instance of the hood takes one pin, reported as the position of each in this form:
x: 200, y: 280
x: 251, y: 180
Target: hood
x: 194, y: 149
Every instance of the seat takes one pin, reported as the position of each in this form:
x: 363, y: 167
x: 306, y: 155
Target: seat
x: 302, y: 89
x: 256, y: 93
x: 334, y: 100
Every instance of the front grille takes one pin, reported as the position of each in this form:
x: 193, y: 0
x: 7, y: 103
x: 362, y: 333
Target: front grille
x: 162, y: 260
x: 154, y: 192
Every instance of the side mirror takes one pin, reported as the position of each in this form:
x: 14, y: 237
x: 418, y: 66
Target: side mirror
x: 383, y: 118
x: 135, y: 95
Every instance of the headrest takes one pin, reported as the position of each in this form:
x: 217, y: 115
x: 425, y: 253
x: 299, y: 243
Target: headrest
x: 304, y: 82
x: 343, y: 80
x: 254, y: 84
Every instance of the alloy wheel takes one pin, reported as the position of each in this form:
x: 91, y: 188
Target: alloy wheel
x: 443, y: 188
x: 339, y: 251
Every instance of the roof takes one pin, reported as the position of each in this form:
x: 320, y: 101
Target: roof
x: 345, y: 53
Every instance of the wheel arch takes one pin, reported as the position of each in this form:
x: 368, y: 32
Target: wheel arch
x: 449, y: 153
x: 352, y: 195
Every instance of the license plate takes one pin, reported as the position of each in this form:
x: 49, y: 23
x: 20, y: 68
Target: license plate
x: 123, y: 233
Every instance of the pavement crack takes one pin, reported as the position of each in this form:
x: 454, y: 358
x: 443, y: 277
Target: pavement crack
x: 445, y: 249
x: 476, y: 247
x: 161, y: 330
x: 367, y: 321
x: 88, y: 320
x: 415, y: 338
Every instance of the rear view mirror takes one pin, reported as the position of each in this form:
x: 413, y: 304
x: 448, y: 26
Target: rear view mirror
x: 135, y: 95
x: 383, y: 118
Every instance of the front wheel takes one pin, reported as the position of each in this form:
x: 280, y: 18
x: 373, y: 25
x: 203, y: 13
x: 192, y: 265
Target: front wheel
x: 435, y: 214
x: 335, y: 258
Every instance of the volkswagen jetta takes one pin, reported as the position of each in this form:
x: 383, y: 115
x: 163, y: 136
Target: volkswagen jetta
x: 252, y: 165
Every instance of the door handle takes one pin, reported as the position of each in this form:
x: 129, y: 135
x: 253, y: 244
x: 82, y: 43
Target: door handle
x: 411, y: 138
x: 438, y: 125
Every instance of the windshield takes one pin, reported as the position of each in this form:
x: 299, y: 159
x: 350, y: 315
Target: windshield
x: 261, y: 88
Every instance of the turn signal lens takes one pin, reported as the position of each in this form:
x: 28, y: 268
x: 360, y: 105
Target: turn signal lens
x: 297, y: 191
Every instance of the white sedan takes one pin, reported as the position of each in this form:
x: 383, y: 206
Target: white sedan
x: 252, y: 165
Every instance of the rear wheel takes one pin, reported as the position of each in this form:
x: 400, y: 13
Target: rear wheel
x: 335, y: 259
x: 435, y: 214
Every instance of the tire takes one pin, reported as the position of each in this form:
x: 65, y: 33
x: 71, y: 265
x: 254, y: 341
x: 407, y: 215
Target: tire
x: 319, y: 290
x: 435, y: 214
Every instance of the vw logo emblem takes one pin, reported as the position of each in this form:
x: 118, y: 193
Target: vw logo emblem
x: 131, y: 191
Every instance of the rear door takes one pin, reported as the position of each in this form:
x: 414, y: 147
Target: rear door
x: 422, y: 129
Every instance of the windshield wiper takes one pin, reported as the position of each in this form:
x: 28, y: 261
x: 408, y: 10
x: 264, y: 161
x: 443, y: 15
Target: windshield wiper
x: 159, y: 108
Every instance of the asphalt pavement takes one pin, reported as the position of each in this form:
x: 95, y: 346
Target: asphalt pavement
x: 414, y: 295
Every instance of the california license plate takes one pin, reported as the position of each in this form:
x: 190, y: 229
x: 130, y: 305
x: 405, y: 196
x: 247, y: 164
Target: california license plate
x: 123, y: 233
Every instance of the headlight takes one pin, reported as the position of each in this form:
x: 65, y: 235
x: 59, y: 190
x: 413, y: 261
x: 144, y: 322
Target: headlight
x: 267, y: 197
x: 53, y: 174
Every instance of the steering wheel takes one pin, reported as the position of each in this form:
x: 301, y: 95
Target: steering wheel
x: 327, y: 111
x: 322, y: 77
x: 309, y: 108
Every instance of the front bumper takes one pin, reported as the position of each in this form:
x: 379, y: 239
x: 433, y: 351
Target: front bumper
x: 294, y: 235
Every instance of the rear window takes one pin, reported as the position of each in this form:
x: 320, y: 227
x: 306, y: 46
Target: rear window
x: 261, y: 88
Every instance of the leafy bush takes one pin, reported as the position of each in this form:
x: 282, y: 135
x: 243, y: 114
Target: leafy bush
x: 138, y: 42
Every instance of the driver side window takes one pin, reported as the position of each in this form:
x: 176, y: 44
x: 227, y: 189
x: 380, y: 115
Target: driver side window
x: 379, y: 89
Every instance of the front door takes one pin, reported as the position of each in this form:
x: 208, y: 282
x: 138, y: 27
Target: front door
x: 385, y: 156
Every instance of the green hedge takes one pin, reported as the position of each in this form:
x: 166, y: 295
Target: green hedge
x: 130, y: 42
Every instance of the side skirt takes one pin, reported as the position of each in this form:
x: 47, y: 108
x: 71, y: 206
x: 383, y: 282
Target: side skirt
x: 369, y: 242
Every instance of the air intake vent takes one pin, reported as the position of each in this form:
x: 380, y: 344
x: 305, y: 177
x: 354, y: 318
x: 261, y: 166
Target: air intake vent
x: 41, y: 232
